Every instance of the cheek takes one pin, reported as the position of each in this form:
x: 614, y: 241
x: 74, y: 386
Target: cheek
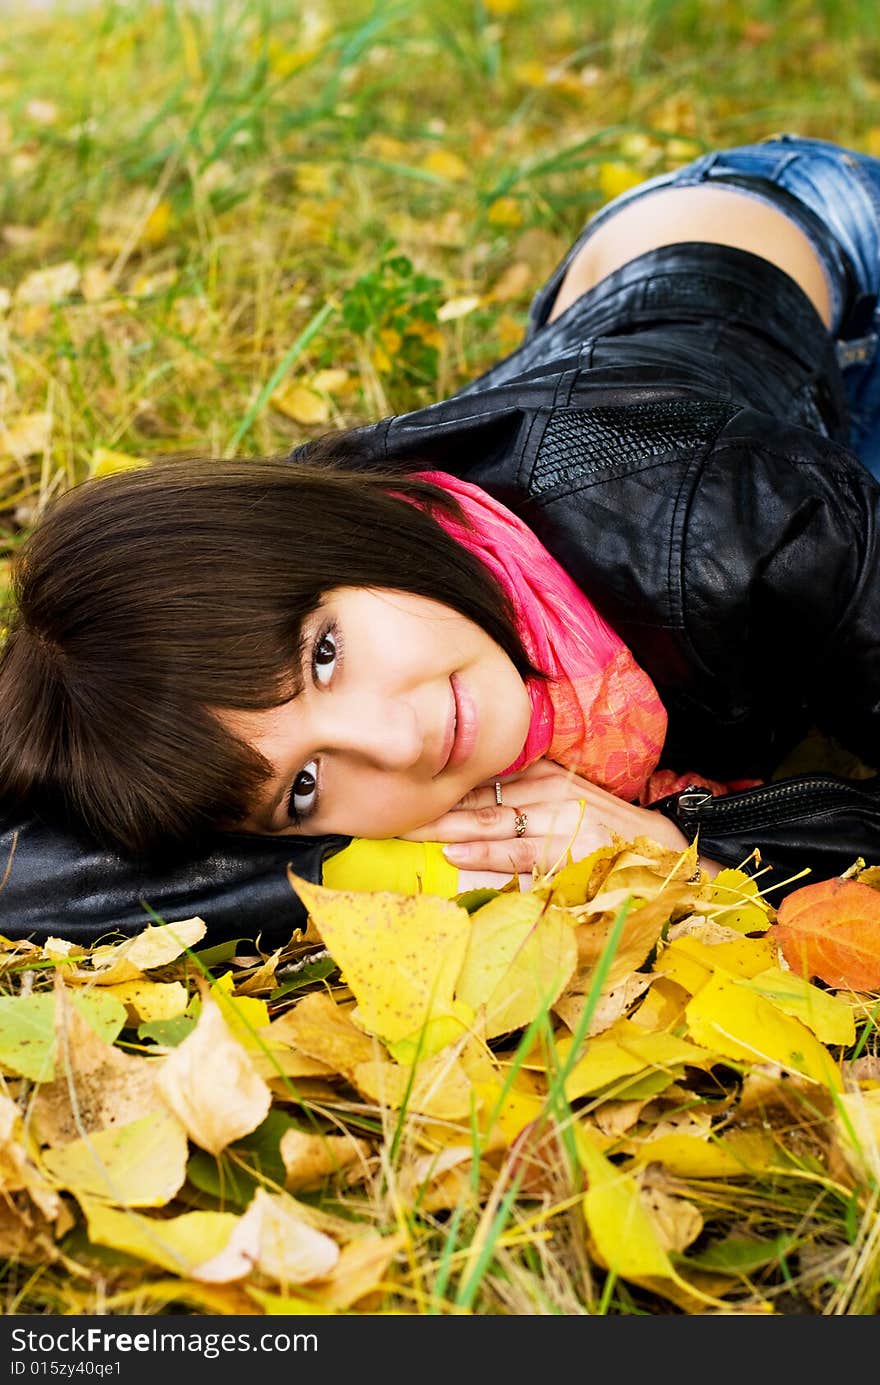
x: 387, y: 807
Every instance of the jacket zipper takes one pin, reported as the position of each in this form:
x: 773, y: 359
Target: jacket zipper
x: 697, y: 802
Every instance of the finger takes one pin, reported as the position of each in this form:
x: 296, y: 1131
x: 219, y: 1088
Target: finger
x: 493, y: 823
x: 547, y: 789
x: 488, y: 821
x: 515, y: 856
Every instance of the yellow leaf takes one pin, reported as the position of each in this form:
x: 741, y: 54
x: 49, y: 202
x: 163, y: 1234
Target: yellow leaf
x: 400, y: 955
x: 156, y: 226
x: 50, y: 285
x: 358, y: 1271
x: 18, y: 1168
x: 872, y: 142
x: 151, y: 1000
x: 97, y: 1084
x: 245, y: 1015
x: 381, y: 360
x: 622, y: 1231
x: 96, y: 284
x: 520, y: 954
x: 745, y: 911
x: 330, y: 381
x: 300, y: 403
x: 142, y: 1164
x: 26, y: 436
x: 577, y: 881
x: 505, y: 1114
x: 211, y: 1084
x: 615, y: 178
x: 390, y: 339
x: 746, y: 1027
x: 275, y: 1238
x: 738, y: 1154
x: 828, y: 1016
x: 438, y: 1087
x: 318, y: 1028
x: 625, y: 1050
x: 178, y: 1244
x: 504, y: 211
x: 690, y: 962
x: 311, y: 1159
x: 106, y: 462
x: 663, y: 1007
x: 531, y: 73
x: 154, y: 946
x: 445, y: 164
x: 457, y: 307
x: 428, y: 332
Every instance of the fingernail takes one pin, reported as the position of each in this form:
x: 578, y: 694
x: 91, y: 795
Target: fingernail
x: 458, y: 855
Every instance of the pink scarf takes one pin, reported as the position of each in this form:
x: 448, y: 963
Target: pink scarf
x: 598, y: 714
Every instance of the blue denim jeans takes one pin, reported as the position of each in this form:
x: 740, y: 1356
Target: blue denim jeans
x: 834, y: 195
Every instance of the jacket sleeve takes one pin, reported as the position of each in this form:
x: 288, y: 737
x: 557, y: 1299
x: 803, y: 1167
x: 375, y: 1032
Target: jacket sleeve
x: 805, y: 513
x: 59, y: 883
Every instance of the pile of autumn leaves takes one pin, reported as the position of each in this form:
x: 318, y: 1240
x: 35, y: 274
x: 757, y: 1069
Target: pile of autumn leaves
x: 205, y: 1127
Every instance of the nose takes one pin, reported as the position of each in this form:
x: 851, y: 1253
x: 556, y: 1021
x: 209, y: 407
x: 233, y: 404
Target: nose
x: 384, y: 732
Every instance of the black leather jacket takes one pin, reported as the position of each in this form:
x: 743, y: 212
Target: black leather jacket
x: 677, y: 440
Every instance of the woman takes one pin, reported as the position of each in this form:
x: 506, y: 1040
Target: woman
x: 605, y: 588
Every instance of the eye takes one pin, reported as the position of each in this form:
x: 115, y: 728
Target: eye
x: 324, y: 656
x: 304, y: 792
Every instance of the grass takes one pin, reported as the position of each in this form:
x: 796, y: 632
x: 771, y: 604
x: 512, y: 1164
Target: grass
x: 251, y: 222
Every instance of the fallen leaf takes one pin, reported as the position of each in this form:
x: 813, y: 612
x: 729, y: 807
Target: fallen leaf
x: 311, y: 1159
x: 26, y: 436
x: 50, y: 285
x: 831, y: 930
x: 445, y: 164
x: 97, y: 1084
x: 177, y: 1244
x: 520, y: 954
x: 106, y: 462
x: 154, y: 946
x: 210, y: 1083
x: 18, y: 1168
x: 457, y: 307
x: 399, y: 954
x: 622, y: 1231
x: 142, y: 1164
x: 742, y: 1025
x: 275, y: 1238
x: 735, y: 902
x: 28, y: 1040
x: 321, y: 1030
x: 438, y: 1087
x: 299, y: 402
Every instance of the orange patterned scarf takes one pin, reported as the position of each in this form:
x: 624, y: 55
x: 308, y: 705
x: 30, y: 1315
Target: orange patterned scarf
x: 598, y: 713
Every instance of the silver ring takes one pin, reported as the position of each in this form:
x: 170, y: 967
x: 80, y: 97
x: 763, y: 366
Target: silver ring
x: 498, y: 799
x: 520, y: 822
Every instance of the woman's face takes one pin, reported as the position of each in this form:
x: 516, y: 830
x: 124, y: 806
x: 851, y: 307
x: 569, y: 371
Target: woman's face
x: 406, y: 705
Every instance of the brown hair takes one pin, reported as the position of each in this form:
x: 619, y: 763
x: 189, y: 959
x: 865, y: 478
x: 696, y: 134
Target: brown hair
x: 144, y: 599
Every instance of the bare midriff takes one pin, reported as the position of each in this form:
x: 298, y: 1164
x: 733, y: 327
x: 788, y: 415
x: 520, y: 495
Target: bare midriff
x: 720, y: 215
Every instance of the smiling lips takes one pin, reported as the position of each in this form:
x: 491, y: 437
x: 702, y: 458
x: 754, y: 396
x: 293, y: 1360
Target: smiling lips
x: 461, y: 735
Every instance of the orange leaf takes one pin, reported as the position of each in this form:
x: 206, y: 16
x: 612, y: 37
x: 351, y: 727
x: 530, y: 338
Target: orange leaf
x: 831, y: 930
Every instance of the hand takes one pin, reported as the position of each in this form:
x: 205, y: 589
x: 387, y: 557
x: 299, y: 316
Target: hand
x: 563, y: 813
